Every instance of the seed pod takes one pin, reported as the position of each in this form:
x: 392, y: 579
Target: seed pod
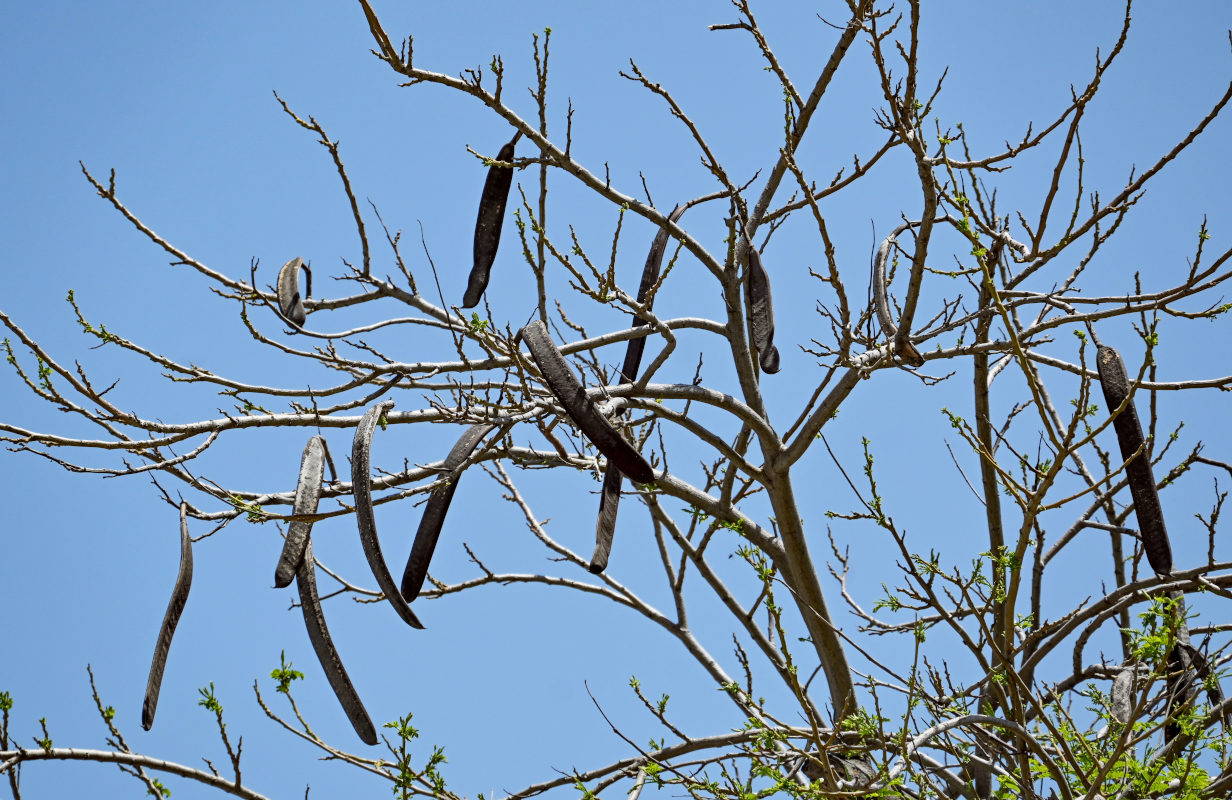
x: 560, y: 379
x: 1115, y: 383
x: 1181, y: 668
x: 605, y: 526
x: 910, y: 356
x: 179, y: 596
x: 1123, y: 695
x: 434, y: 512
x: 489, y: 222
x: 761, y: 312
x: 361, y: 481
x: 307, y: 495
x: 327, y: 654
x: 289, y: 301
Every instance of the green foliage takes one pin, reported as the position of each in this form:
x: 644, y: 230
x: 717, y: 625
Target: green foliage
x: 208, y: 700
x: 284, y: 674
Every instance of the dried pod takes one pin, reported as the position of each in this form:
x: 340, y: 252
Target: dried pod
x: 910, y: 356
x: 179, y: 596
x: 489, y: 222
x: 1123, y: 695
x: 327, y: 654
x: 361, y: 481
x: 560, y: 379
x: 289, y: 301
x: 605, y: 525
x: 307, y: 495
x: 434, y: 512
x: 1181, y: 668
x: 1115, y: 383
x: 761, y: 312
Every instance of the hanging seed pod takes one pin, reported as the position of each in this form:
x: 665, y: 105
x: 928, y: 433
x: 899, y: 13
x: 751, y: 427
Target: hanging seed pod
x: 560, y: 379
x: 307, y: 495
x: 1123, y: 694
x: 433, y: 519
x: 179, y: 596
x: 327, y: 654
x: 1181, y: 668
x: 761, y: 312
x: 489, y: 222
x: 910, y: 356
x: 289, y: 301
x: 361, y: 481
x: 1115, y: 383
x: 609, y: 497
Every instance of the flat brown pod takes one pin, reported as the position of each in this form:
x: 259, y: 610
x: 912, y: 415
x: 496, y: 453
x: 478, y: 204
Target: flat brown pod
x: 433, y: 519
x: 289, y: 301
x: 175, y: 607
x: 489, y: 222
x: 761, y: 312
x: 1115, y: 384
x: 881, y: 301
x: 307, y: 496
x: 561, y: 381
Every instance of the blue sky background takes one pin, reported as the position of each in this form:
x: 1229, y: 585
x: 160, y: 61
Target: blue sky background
x: 178, y: 99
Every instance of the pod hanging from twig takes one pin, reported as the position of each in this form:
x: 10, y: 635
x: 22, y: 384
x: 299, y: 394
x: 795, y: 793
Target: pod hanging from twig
x: 361, y: 481
x: 489, y: 222
x: 761, y: 312
x: 1181, y: 668
x: 910, y: 356
x: 609, y: 496
x: 560, y: 379
x: 1122, y: 694
x: 175, y: 607
x: 307, y: 495
x: 1115, y: 383
x: 323, y: 645
x: 434, y: 512
x: 289, y: 301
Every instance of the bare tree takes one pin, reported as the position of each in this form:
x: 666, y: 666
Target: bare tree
x: 990, y: 687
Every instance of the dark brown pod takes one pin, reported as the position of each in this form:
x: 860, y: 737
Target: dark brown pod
x: 361, y: 481
x: 307, y: 496
x: 433, y: 519
x: 175, y: 607
x: 289, y: 301
x: 761, y: 312
x: 605, y: 525
x: 1115, y: 383
x: 489, y: 222
x: 327, y: 654
x: 561, y: 381
x: 881, y: 301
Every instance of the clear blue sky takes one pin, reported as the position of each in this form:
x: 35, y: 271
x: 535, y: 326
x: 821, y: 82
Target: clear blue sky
x: 178, y: 99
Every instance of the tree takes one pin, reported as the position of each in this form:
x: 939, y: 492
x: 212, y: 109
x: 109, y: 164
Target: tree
x: 969, y: 670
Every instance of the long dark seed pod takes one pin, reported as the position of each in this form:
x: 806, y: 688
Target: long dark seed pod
x: 489, y: 222
x: 761, y: 312
x: 609, y: 497
x: 361, y: 480
x: 881, y: 301
x: 560, y: 379
x: 1181, y: 668
x: 289, y: 301
x: 1115, y: 383
x: 434, y: 512
x: 1122, y: 694
x: 179, y: 596
x: 307, y: 495
x: 327, y: 654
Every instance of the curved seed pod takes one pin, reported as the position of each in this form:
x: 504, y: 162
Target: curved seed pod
x: 434, y: 512
x: 910, y: 356
x: 327, y: 654
x: 1123, y: 695
x: 489, y: 222
x: 307, y: 495
x: 289, y: 301
x: 1181, y: 668
x: 1115, y: 383
x: 361, y: 480
x: 179, y: 596
x: 761, y: 312
x: 605, y: 526
x: 560, y: 379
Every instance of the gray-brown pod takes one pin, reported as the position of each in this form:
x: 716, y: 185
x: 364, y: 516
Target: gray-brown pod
x: 489, y: 222
x: 761, y: 312
x: 609, y: 496
x: 881, y: 301
x: 1115, y: 384
x: 289, y: 301
x: 561, y: 381
x: 1122, y: 694
x: 433, y: 519
x: 361, y: 481
x: 323, y: 645
x: 307, y: 495
x: 179, y: 596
